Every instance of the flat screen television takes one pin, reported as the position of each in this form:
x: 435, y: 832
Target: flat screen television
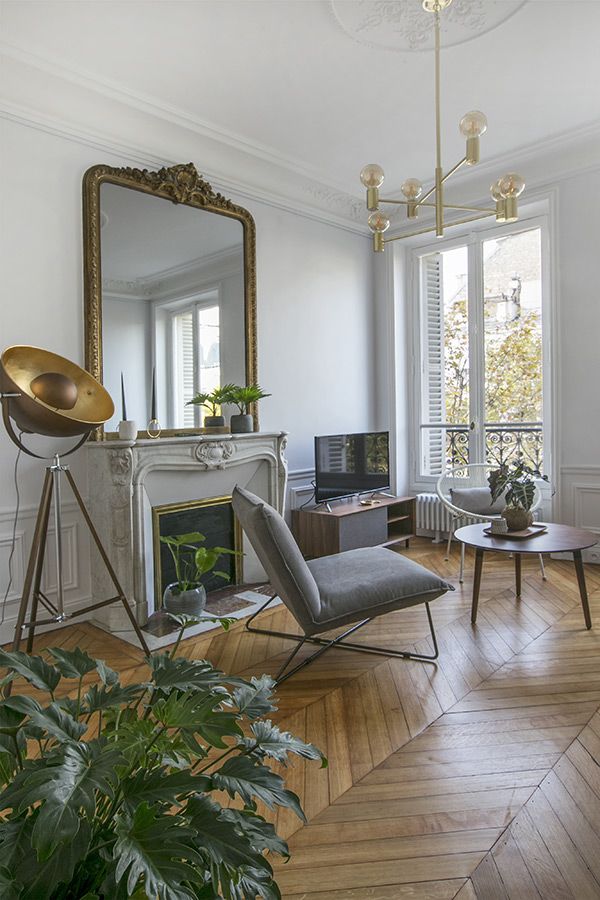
x: 347, y: 464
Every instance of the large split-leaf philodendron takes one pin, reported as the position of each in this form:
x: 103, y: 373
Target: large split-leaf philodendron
x: 109, y: 788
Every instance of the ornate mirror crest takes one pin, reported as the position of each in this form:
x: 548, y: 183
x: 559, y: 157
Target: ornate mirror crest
x: 180, y: 184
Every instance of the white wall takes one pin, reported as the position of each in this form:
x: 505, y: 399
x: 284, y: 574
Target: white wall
x: 315, y: 321
x: 127, y: 348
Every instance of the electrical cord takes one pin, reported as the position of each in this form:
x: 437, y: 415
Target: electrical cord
x: 311, y: 498
x: 14, y: 537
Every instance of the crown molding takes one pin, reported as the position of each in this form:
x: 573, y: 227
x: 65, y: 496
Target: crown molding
x: 328, y: 207
x: 151, y: 105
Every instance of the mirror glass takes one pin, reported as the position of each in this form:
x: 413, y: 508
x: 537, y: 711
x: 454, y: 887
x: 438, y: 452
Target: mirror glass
x: 173, y: 305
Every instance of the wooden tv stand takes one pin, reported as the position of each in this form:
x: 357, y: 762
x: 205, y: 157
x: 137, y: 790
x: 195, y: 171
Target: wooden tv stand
x: 350, y: 524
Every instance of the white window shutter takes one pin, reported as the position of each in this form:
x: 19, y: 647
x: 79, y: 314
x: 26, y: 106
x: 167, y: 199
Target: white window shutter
x: 185, y: 334
x: 433, y: 410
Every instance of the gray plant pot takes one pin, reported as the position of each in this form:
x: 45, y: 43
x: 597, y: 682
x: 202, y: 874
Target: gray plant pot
x: 242, y: 424
x: 517, y: 519
x: 189, y: 603
x: 214, y: 421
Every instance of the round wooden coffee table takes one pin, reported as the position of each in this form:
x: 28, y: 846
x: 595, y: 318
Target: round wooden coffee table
x: 556, y: 539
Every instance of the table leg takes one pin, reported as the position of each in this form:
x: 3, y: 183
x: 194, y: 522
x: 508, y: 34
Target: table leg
x: 518, y: 573
x: 582, y: 588
x: 476, y: 583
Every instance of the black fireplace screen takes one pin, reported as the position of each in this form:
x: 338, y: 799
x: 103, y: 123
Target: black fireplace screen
x: 215, y: 519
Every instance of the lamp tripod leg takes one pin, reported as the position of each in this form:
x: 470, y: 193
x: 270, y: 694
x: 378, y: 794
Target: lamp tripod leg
x: 121, y: 595
x: 36, y: 558
x: 37, y: 583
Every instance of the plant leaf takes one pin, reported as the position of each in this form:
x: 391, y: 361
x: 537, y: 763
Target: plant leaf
x: 255, y: 699
x: 157, y: 785
x: 260, y: 833
x: 38, y: 876
x: 218, y: 839
x: 277, y: 744
x: 33, y: 668
x: 102, y: 697
x: 57, y: 723
x: 192, y: 713
x: 9, y: 889
x: 107, y: 675
x: 250, y: 779
x: 186, y: 674
x: 155, y: 849
x: 68, y: 788
x: 72, y: 663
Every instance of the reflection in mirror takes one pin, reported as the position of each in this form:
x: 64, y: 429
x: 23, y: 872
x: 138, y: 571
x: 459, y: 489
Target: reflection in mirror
x: 173, y: 302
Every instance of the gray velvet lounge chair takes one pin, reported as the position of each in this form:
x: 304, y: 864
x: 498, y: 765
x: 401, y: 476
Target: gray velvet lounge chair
x: 349, y: 588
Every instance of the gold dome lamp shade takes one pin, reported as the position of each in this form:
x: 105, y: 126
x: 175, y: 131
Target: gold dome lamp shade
x: 50, y: 395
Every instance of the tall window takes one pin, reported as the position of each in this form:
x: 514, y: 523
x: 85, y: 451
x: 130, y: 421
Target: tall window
x: 481, y: 385
x: 196, y: 359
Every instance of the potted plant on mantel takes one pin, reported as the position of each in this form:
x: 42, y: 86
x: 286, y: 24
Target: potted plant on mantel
x: 212, y: 401
x: 111, y: 789
x: 187, y: 595
x: 517, y: 483
x: 243, y: 398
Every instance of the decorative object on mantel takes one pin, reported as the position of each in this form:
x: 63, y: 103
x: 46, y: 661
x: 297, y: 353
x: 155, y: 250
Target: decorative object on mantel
x: 244, y: 398
x: 504, y: 191
x: 46, y: 394
x: 154, y: 429
x: 517, y: 483
x: 137, y: 808
x: 215, y: 422
x: 127, y: 427
x: 187, y: 595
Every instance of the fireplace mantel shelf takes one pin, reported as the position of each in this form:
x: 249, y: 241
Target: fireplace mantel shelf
x: 127, y: 480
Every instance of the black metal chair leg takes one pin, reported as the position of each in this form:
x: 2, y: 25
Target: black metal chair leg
x: 337, y: 642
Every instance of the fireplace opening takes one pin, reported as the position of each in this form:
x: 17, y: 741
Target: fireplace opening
x: 214, y: 518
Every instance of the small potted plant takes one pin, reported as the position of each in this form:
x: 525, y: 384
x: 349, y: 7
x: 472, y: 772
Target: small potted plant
x: 243, y: 398
x: 517, y: 483
x: 187, y: 595
x: 212, y: 401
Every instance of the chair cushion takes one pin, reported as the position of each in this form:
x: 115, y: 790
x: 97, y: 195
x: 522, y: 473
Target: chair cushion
x: 279, y: 554
x: 371, y: 581
x: 477, y: 500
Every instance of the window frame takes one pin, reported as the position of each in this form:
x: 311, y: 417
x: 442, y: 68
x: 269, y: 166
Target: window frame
x: 473, y: 238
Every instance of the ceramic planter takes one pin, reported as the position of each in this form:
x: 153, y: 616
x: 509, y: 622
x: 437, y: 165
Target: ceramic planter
x: 242, y: 424
x: 517, y: 519
x: 189, y: 603
x: 214, y: 421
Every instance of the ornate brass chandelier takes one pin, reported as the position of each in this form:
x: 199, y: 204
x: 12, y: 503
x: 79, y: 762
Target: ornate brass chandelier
x: 504, y: 191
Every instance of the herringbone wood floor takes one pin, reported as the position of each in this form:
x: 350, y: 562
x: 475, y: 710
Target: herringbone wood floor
x: 478, y: 777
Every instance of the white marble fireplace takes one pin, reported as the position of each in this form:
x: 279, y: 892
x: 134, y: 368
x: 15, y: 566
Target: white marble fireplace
x: 126, y: 482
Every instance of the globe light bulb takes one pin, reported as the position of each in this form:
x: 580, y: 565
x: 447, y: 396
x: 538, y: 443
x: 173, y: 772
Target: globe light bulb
x: 411, y: 188
x: 495, y: 191
x: 511, y: 185
x: 372, y: 176
x: 378, y: 223
x: 473, y: 124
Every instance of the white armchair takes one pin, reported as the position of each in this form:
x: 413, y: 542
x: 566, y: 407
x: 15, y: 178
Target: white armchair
x: 464, y: 491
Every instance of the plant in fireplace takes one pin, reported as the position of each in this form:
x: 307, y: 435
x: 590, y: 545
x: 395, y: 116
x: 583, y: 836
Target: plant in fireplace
x: 187, y: 595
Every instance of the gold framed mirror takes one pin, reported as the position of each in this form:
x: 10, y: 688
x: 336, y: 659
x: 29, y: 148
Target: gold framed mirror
x: 169, y: 292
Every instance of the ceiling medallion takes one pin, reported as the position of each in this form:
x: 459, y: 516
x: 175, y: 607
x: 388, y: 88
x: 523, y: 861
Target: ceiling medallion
x: 505, y: 191
x: 402, y: 25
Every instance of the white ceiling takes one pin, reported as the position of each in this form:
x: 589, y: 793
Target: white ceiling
x: 284, y: 75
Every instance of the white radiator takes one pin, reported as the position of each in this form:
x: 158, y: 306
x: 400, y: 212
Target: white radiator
x: 432, y: 516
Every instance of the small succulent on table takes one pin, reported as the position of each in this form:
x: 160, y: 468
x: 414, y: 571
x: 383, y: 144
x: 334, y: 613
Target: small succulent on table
x: 517, y: 483
x: 243, y: 398
x: 109, y: 789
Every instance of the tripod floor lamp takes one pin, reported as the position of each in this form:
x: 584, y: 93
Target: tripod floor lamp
x: 45, y: 394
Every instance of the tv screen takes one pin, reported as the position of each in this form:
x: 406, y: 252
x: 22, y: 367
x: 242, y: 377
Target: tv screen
x: 347, y: 464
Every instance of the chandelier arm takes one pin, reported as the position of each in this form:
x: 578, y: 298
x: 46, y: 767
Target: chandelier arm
x: 485, y: 209
x: 400, y: 237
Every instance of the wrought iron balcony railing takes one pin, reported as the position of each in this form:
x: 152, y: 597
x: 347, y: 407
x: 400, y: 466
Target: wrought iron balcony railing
x: 503, y: 444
